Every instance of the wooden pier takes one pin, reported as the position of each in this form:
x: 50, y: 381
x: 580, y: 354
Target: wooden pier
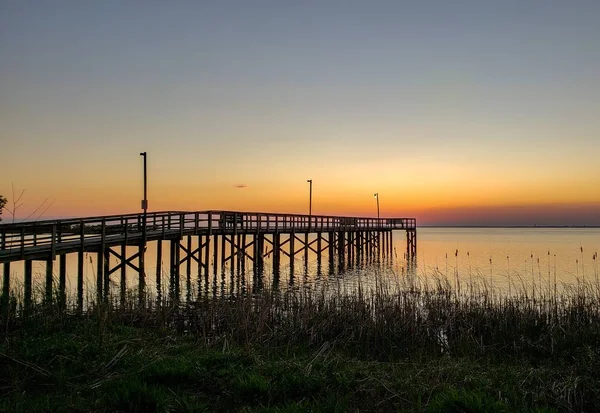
x: 228, y: 238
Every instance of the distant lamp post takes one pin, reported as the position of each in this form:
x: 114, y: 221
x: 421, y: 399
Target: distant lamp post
x: 377, y: 196
x: 309, y: 202
x: 145, y: 200
x: 142, y: 260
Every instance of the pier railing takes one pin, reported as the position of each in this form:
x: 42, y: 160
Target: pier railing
x: 18, y: 240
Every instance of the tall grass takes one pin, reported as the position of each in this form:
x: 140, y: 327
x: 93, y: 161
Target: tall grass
x: 384, y: 320
x: 548, y: 341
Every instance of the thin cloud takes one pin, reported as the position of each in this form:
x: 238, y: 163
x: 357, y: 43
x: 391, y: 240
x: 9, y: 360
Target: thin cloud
x: 240, y: 186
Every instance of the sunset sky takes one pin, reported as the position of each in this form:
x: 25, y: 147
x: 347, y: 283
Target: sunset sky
x: 455, y: 112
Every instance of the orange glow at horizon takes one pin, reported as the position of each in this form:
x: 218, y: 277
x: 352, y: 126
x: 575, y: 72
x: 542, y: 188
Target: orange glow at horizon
x: 443, y: 206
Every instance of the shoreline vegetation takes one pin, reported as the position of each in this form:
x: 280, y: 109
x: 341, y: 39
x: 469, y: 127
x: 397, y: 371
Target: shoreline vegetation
x: 381, y: 347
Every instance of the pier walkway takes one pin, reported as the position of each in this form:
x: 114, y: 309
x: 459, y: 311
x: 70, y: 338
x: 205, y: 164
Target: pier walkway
x: 233, y: 236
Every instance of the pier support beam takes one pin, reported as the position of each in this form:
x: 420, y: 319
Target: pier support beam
x: 158, y: 272
x: 27, y: 301
x: 188, y: 268
x: 206, y: 262
x: 49, y: 279
x: 5, y: 288
x: 331, y: 249
x: 319, y: 249
x: 142, y: 274
x: 215, y: 257
x: 305, y: 252
x: 174, y: 291
x: 106, y: 272
x: 411, y: 244
x: 260, y: 263
x: 292, y: 252
x: 276, y: 257
x: 62, y: 280
x: 340, y: 248
x: 99, y: 275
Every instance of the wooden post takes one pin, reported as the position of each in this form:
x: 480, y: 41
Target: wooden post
x: 306, y: 250
x: 234, y: 245
x: 260, y: 259
x: 123, y: 286
x: 28, y: 286
x: 331, y: 247
x: 411, y: 244
x: 80, y: 262
x: 292, y: 251
x: 207, y: 251
x: 188, y: 269
x: 341, y: 247
x: 276, y: 253
x: 223, y: 251
x: 142, y: 273
x: 240, y: 253
x: 172, y: 270
x: 175, y: 274
x: 6, y: 289
x: 319, y: 247
x: 232, y: 256
x: 106, y: 262
x: 49, y: 281
x: 350, y: 248
x: 358, y: 247
x: 215, y: 256
x: 62, y: 280
x: 206, y: 260
x: 54, y: 240
x: 159, y: 271
x: 200, y: 248
x: 100, y: 263
x: 99, y: 275
x: 244, y: 254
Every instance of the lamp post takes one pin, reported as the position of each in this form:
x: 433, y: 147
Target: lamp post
x: 309, y: 202
x: 145, y: 200
x: 377, y: 196
x: 142, y: 252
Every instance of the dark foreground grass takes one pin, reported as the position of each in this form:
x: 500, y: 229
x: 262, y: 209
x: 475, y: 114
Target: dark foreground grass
x: 93, y: 364
x: 82, y: 364
x: 427, y: 350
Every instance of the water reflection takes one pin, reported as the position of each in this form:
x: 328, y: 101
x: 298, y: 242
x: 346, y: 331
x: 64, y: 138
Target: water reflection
x: 495, y: 260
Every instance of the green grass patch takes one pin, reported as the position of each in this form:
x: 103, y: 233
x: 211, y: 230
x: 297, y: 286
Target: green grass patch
x: 144, y: 370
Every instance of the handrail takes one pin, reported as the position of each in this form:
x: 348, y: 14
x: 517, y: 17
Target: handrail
x: 99, y: 218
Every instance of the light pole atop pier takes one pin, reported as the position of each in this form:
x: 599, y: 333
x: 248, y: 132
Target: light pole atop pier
x: 142, y: 247
x: 377, y: 196
x: 145, y: 200
x: 309, y: 201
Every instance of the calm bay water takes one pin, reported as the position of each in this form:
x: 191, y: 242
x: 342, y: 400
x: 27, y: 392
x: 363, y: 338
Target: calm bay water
x: 527, y: 257
x: 527, y: 254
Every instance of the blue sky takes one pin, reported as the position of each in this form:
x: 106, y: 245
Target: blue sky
x: 429, y: 103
